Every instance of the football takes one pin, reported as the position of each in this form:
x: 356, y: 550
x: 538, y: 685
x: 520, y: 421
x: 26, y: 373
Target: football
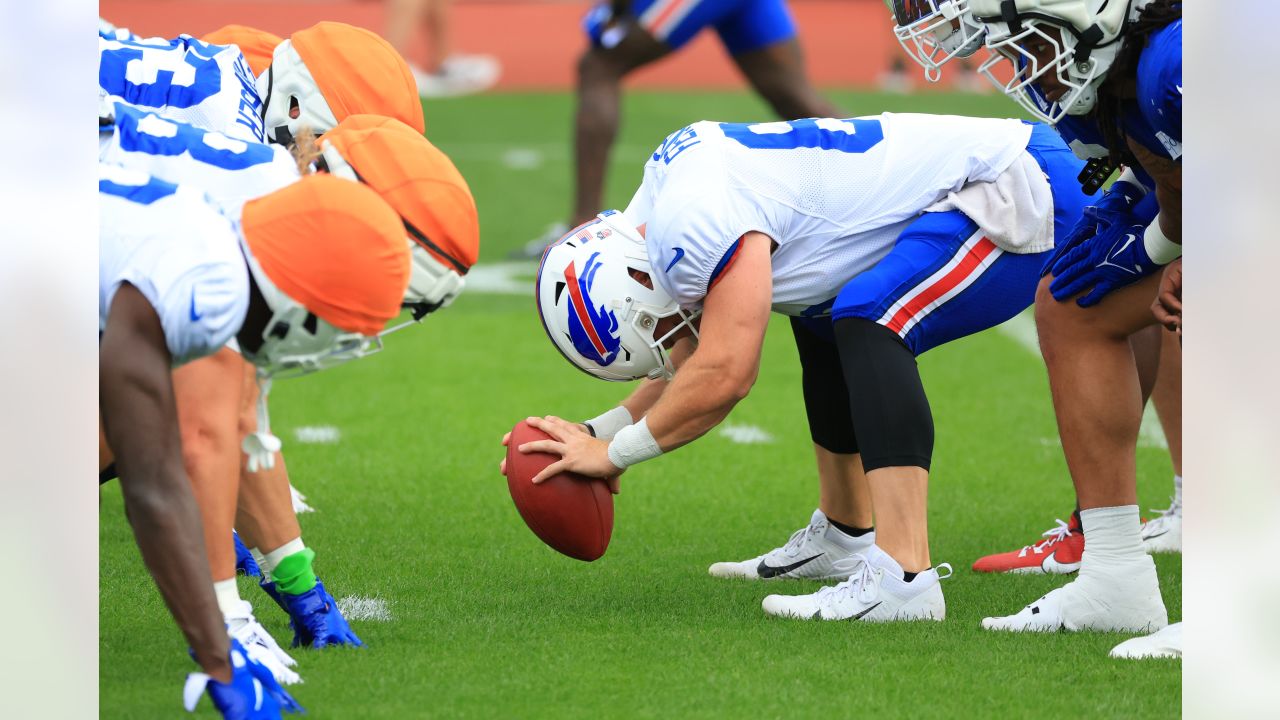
x: 570, y: 512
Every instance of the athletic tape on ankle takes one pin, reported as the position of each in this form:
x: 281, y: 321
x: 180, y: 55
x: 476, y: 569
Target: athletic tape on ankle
x: 633, y: 444
x: 293, y: 575
x: 607, y: 424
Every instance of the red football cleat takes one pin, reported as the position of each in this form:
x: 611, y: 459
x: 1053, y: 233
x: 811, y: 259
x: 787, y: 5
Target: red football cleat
x: 1058, y: 554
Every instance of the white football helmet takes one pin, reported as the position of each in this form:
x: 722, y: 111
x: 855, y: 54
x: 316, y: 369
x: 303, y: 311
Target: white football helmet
x: 294, y: 340
x: 1084, y: 35
x: 432, y: 284
x: 597, y: 315
x: 933, y: 32
x: 288, y: 80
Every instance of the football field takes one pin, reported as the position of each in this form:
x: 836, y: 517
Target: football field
x: 465, y: 613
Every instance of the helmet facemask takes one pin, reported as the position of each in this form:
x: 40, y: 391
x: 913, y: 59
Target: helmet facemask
x: 597, y: 314
x: 290, y: 83
x: 934, y: 32
x: 294, y: 340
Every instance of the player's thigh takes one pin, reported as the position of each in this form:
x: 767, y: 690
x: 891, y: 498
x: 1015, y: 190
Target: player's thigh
x: 1120, y: 314
x: 826, y: 397
x: 751, y: 26
x: 619, y: 45
x: 943, y: 280
x: 207, y: 392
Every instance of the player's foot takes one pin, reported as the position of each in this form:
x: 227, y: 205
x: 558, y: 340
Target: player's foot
x: 1166, y: 643
x: 876, y: 591
x: 317, y: 621
x: 812, y: 553
x: 245, y: 564
x: 269, y: 588
x: 1114, y: 599
x: 252, y: 694
x: 532, y: 250
x: 1058, y: 554
x: 1163, y: 534
x: 458, y: 75
x: 263, y: 648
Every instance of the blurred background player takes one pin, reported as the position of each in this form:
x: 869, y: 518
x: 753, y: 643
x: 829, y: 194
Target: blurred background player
x: 445, y: 73
x: 628, y: 34
x: 317, y: 76
x: 924, y: 229
x: 1117, y: 69
x: 178, y: 280
x: 933, y: 33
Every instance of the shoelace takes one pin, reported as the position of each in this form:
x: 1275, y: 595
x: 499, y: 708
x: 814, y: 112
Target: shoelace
x: 1163, y: 517
x: 863, y: 580
x: 798, y: 538
x: 1053, y: 535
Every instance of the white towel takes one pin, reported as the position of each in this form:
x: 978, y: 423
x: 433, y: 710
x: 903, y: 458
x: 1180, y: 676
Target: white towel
x: 1015, y: 211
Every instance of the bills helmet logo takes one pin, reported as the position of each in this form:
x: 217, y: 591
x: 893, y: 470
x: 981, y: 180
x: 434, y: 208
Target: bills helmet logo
x: 593, y: 330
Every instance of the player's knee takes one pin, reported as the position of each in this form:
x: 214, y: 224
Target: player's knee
x: 205, y: 440
x: 595, y: 66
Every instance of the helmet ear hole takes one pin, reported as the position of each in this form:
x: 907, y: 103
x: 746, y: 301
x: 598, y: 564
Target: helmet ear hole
x: 294, y: 109
x: 559, y: 289
x: 311, y: 324
x: 641, y: 276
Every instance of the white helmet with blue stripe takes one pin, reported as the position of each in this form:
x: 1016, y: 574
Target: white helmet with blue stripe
x: 599, y: 304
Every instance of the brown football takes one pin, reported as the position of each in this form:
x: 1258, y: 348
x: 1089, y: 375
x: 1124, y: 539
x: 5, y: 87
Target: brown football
x: 570, y: 512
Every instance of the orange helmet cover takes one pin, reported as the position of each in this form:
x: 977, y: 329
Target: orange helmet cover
x: 419, y: 181
x: 257, y: 45
x: 333, y: 246
x: 359, y: 72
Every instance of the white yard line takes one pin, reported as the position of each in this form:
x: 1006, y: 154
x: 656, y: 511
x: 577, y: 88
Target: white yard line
x: 501, y: 278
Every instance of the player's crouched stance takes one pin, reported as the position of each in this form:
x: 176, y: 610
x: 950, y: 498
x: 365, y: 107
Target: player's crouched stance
x: 300, y: 280
x: 882, y: 238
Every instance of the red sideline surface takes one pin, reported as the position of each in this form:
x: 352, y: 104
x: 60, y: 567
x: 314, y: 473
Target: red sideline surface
x: 847, y: 43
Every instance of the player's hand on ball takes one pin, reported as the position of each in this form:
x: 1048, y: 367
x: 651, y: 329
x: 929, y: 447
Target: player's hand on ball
x: 578, y: 451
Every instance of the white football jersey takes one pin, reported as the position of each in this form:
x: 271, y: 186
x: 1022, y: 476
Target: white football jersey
x: 179, y: 251
x: 230, y: 170
x: 209, y: 86
x: 833, y: 194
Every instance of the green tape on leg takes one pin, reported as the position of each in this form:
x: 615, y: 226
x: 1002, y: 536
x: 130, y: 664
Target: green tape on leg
x: 294, y: 574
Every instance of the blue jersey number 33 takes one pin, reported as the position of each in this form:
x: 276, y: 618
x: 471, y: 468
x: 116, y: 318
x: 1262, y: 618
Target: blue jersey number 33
x: 850, y: 136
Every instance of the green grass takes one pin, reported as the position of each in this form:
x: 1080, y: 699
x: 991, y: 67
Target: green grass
x: 489, y: 622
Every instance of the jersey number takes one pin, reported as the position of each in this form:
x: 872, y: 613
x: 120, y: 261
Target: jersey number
x: 848, y: 136
x: 203, y: 76
x: 132, y: 127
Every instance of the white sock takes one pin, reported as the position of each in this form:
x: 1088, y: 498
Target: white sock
x: 273, y: 558
x: 261, y: 559
x: 1113, y: 537
x: 1177, y: 490
x: 228, y: 596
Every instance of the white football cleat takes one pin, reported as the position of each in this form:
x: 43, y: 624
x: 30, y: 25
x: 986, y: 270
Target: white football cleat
x: 874, y: 592
x: 1127, y: 600
x: 812, y: 553
x: 1166, y: 643
x: 263, y: 648
x: 1163, y: 534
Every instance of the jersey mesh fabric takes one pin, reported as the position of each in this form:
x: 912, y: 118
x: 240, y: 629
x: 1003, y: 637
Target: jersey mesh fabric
x: 834, y: 207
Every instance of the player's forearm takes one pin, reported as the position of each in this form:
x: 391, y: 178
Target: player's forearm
x: 140, y: 422
x: 699, y: 397
x: 596, y: 126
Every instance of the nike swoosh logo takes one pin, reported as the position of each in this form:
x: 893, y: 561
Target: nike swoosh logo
x: 676, y: 259
x: 864, y: 612
x: 766, y: 571
x: 194, y: 315
x: 1130, y: 239
x: 1152, y: 537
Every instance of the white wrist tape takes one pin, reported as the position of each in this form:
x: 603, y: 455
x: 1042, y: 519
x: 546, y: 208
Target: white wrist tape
x: 1129, y: 176
x: 607, y: 424
x: 1159, y: 248
x: 633, y: 444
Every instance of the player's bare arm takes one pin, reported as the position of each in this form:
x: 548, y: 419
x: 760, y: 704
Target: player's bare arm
x: 1168, y: 177
x: 140, y: 423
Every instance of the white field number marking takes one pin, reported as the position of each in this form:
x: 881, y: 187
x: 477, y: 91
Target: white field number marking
x: 745, y: 434
x: 359, y: 607
x: 317, y: 434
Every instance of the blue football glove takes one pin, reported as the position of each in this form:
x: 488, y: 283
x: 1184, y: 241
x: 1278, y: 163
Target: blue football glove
x: 1119, y: 199
x: 252, y: 694
x: 1112, y: 258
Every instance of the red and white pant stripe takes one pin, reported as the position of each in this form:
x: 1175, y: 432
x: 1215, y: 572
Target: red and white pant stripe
x: 663, y: 16
x: 965, y: 267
